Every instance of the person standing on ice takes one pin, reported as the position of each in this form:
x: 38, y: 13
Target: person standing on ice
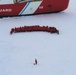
x: 35, y: 63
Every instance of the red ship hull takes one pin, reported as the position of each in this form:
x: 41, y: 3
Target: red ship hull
x: 35, y: 7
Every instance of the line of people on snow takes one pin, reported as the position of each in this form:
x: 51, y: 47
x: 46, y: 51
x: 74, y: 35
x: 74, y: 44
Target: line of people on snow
x: 34, y: 28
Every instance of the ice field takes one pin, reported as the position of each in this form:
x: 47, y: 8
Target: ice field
x: 56, y: 54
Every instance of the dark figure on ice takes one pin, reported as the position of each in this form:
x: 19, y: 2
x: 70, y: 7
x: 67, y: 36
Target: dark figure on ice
x: 35, y: 63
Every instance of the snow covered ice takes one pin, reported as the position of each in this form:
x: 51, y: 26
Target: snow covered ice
x: 56, y: 54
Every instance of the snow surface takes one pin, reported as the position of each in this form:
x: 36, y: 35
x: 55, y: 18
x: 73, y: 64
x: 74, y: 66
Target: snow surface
x: 56, y: 54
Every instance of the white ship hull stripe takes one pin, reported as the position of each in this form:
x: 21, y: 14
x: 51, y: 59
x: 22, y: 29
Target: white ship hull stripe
x: 30, y: 8
x: 24, y: 8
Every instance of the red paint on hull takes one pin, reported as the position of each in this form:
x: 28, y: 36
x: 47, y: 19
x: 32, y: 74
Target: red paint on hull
x: 11, y: 9
x: 52, y: 6
x: 45, y: 6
